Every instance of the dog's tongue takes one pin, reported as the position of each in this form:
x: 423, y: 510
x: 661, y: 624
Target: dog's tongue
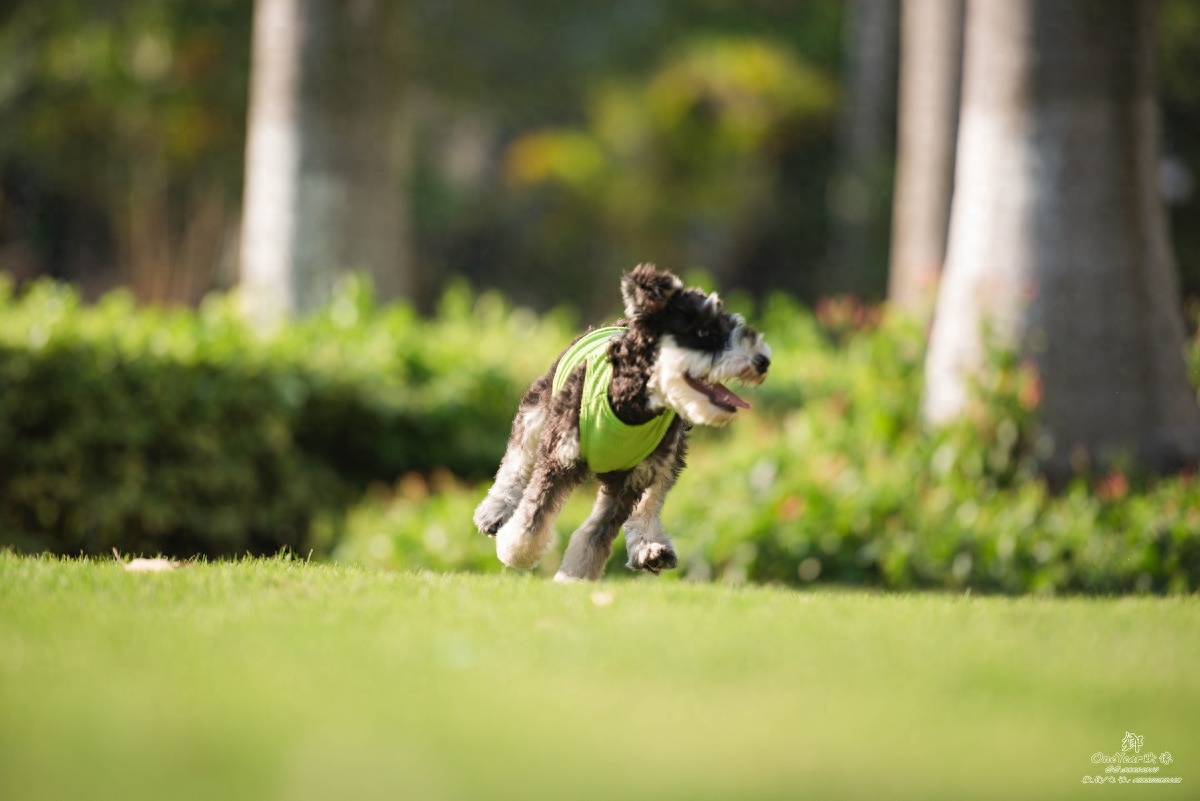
x: 722, y: 394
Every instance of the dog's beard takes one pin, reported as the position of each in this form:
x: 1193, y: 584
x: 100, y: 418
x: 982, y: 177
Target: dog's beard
x: 692, y: 382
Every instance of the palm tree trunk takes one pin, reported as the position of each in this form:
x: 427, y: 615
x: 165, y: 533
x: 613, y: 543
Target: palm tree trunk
x: 931, y: 45
x: 860, y: 186
x: 1058, y: 238
x: 326, y: 156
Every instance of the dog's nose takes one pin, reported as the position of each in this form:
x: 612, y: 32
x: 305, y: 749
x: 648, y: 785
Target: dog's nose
x: 761, y: 363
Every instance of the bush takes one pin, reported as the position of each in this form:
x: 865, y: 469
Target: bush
x: 184, y: 433
x: 831, y: 479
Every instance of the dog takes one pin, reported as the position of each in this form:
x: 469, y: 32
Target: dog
x: 619, y: 403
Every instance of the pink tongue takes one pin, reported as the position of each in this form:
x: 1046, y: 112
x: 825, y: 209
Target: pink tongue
x: 723, y: 395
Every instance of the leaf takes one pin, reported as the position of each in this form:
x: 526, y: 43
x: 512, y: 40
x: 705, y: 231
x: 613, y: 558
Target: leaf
x: 140, y: 565
x: 603, y: 598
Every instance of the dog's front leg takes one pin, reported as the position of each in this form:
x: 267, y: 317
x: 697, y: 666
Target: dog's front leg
x: 647, y: 543
x: 591, y: 544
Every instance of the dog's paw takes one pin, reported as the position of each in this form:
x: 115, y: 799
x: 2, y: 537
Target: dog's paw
x: 491, y: 515
x: 652, y: 557
x: 520, y: 546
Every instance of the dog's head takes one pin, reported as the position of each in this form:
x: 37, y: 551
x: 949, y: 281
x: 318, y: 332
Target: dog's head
x: 700, y: 346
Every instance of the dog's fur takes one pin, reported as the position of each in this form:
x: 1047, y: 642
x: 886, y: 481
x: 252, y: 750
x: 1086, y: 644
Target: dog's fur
x: 680, y: 345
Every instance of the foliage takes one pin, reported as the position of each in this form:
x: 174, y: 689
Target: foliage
x: 833, y: 480
x: 688, y: 163
x: 162, y: 77
x: 184, y: 432
x: 123, y: 159
x: 126, y: 128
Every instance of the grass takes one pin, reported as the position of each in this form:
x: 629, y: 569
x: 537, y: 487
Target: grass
x: 276, y: 679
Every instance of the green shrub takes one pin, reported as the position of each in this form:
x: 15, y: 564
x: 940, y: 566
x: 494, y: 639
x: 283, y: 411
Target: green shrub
x: 184, y: 432
x: 831, y: 479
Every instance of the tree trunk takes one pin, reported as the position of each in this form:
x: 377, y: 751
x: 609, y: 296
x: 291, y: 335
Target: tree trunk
x: 326, y: 155
x: 1058, y: 239
x: 859, y: 187
x: 931, y: 40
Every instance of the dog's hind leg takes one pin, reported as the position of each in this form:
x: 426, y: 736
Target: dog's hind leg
x: 515, y: 469
x: 591, y: 544
x: 523, y: 540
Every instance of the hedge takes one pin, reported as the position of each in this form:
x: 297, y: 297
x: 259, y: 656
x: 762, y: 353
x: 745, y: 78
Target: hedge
x: 368, y: 432
x: 184, y: 432
x: 831, y: 479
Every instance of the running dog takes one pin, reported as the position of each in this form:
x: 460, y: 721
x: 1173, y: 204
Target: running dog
x: 619, y: 403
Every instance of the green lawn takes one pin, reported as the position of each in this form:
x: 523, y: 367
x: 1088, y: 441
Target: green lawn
x: 283, y: 680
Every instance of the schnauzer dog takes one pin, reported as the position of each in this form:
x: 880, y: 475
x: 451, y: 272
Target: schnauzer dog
x: 619, y: 403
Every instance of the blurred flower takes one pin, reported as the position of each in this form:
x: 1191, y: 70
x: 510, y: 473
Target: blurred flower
x: 1029, y: 387
x: 1113, y: 486
x: 842, y: 314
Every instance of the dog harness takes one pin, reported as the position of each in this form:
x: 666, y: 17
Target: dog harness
x: 605, y: 442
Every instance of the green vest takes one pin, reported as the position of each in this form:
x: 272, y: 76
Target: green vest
x: 605, y: 442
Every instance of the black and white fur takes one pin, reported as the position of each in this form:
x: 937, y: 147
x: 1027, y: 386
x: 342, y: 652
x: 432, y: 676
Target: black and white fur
x: 679, y: 348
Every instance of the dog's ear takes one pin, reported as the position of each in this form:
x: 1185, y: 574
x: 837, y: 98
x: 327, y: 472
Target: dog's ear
x: 646, y: 290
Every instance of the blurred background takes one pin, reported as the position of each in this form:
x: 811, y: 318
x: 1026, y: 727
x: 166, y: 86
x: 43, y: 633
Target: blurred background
x: 539, y: 147
x: 425, y: 200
